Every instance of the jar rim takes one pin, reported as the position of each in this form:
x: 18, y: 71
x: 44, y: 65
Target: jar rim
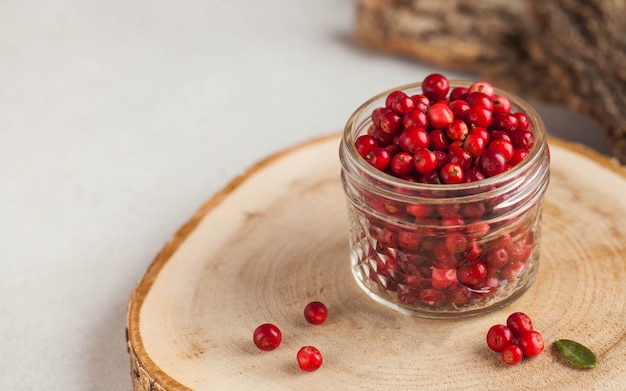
x: 536, y: 152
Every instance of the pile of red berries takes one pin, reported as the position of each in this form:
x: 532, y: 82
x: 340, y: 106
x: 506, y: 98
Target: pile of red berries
x: 268, y: 337
x: 516, y: 340
x: 444, y: 136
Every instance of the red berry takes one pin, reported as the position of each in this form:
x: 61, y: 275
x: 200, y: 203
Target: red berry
x: 379, y: 158
x: 435, y: 86
x: 315, y: 312
x: 420, y: 210
x: 519, y: 323
x: 499, y: 135
x: 474, y: 175
x: 309, y: 358
x: 479, y: 99
x: 459, y: 108
x: 415, y: 119
x: 473, y: 250
x: 451, y: 173
x: 487, y: 287
x: 482, y: 132
x: 475, y: 144
x: 390, y: 122
x: 442, y: 158
x: 267, y: 337
x: 399, y: 102
x: 432, y: 297
x: 523, y: 139
x: 501, y: 104
x: 392, y: 97
x: 413, y: 138
x: 472, y: 274
x: 458, y: 93
x: 522, y: 121
x: 512, y: 270
x: 512, y: 354
x: 444, y: 279
x: 424, y: 160
x: 505, y: 121
x: 498, y: 337
x: 421, y: 102
x: 478, y: 116
x: 457, y: 130
x: 461, y: 157
x: 519, y: 154
x: 409, y: 240
x: 456, y: 243
x: 474, y: 210
x: 496, y: 258
x: 402, y: 164
x: 440, y: 115
x: 364, y: 144
x: 378, y: 113
x: 531, y: 343
x: 438, y: 140
x: 504, y: 147
x: 459, y: 295
x: 482, y: 86
x: 430, y: 178
x: 491, y: 163
x: 383, y: 138
x: 392, y: 149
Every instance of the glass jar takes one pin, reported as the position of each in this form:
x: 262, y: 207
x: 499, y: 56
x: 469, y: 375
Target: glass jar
x: 444, y: 250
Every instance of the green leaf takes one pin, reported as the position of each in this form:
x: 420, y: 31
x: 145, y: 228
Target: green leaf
x: 576, y: 354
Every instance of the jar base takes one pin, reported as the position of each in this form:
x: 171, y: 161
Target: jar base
x: 493, y: 303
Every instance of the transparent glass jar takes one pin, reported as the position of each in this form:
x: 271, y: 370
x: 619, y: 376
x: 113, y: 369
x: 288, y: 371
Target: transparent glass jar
x: 412, y: 244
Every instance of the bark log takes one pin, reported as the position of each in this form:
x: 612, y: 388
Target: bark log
x: 567, y: 51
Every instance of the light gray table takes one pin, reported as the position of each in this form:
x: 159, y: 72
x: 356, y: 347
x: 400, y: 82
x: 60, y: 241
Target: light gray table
x: 118, y: 119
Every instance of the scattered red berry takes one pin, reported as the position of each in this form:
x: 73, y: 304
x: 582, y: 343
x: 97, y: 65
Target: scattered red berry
x: 267, y: 336
x: 512, y: 354
x: 498, y: 337
x: 519, y: 323
x: 315, y: 312
x: 309, y: 358
x: 531, y: 343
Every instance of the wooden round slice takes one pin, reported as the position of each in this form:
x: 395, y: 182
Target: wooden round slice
x: 276, y: 238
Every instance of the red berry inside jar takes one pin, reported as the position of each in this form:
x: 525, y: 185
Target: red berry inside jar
x: 440, y: 223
